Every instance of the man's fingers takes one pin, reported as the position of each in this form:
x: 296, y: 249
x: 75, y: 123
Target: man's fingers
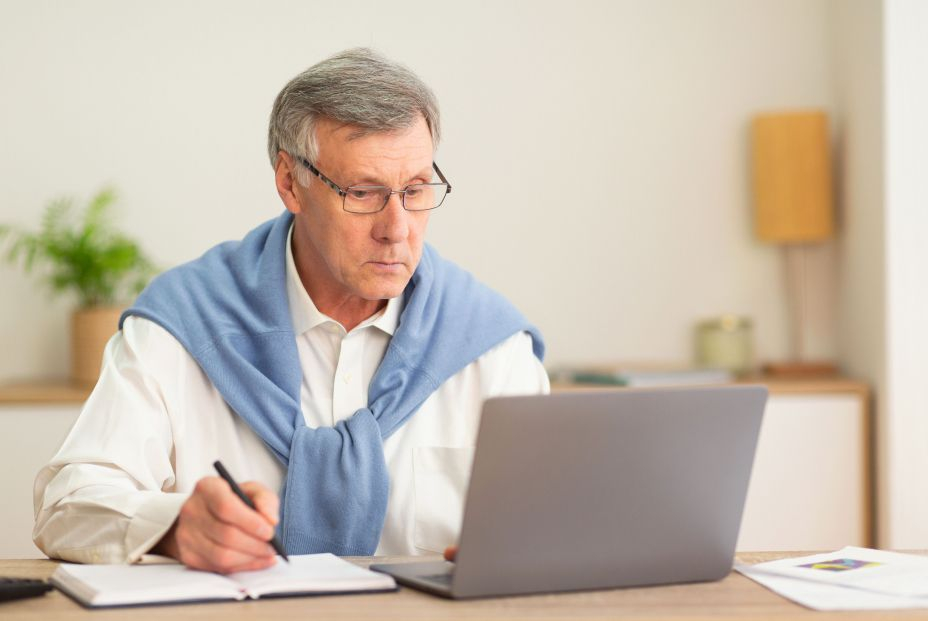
x: 203, y: 553
x: 217, y: 531
x: 255, y: 565
x: 265, y: 500
x: 226, y: 507
x: 193, y: 560
x: 230, y: 536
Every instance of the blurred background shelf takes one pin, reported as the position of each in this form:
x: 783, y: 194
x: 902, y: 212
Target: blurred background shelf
x: 43, y: 392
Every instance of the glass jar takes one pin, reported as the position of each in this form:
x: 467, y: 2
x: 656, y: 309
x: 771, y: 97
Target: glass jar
x: 725, y: 342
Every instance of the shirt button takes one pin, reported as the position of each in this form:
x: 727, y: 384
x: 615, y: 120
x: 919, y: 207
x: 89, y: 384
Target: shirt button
x: 346, y: 377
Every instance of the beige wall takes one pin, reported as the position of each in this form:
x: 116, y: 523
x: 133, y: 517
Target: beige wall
x: 598, y: 150
x: 858, y: 51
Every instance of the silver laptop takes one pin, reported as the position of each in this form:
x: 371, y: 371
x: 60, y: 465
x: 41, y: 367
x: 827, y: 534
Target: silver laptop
x: 597, y: 490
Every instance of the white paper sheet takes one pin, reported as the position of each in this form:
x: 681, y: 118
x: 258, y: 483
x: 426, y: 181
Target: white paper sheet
x: 848, y: 579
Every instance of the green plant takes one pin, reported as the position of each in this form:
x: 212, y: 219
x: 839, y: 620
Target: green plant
x: 83, y: 254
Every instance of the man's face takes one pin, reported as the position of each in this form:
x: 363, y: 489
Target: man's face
x: 368, y: 256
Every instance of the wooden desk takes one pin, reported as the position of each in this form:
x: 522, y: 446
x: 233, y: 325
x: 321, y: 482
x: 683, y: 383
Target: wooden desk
x: 735, y: 597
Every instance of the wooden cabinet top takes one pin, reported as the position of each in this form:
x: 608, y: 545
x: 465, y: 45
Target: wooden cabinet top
x: 44, y: 392
x: 777, y: 386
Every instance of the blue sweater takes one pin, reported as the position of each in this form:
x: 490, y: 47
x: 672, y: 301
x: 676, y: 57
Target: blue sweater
x: 229, y: 309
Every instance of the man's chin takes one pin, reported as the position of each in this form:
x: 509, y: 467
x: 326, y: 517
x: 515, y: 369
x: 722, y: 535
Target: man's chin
x: 385, y: 281
x: 385, y: 289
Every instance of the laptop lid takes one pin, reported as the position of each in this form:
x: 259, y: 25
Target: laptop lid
x: 587, y: 490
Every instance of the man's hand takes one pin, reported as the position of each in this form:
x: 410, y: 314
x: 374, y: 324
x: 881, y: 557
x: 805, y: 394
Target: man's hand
x: 216, y: 531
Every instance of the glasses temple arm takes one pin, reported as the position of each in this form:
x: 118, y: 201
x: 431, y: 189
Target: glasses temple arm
x: 441, y: 176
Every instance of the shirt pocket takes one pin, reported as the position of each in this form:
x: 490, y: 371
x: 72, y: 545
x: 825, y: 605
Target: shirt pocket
x: 441, y: 478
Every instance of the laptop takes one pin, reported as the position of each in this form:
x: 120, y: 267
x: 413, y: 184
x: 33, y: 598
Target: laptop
x: 595, y: 490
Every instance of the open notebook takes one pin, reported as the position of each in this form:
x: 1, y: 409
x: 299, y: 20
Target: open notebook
x: 134, y: 585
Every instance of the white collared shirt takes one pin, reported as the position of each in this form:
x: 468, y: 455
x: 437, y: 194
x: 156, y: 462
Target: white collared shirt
x: 154, y: 425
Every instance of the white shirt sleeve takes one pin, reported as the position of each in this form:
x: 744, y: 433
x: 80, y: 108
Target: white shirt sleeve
x: 511, y: 368
x: 102, y: 497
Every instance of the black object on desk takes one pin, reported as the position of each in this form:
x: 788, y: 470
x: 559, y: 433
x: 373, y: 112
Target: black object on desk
x: 18, y: 588
x: 275, y: 541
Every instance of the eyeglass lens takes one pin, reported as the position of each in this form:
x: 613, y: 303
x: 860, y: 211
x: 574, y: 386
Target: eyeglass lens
x: 373, y: 198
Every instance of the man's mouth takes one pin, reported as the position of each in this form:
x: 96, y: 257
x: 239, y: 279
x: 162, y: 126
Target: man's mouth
x: 387, y: 265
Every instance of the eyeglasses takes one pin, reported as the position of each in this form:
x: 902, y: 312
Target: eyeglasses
x: 373, y: 198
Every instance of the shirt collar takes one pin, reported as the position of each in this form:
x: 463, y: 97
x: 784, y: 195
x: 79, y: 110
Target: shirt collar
x: 305, y: 316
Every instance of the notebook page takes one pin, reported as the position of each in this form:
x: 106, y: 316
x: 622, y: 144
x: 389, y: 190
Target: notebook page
x: 312, y: 573
x: 116, y: 585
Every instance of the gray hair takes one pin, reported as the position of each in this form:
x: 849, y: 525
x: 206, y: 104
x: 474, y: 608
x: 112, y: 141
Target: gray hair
x: 357, y: 87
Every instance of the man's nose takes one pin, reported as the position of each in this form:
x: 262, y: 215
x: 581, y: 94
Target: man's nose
x: 393, y: 221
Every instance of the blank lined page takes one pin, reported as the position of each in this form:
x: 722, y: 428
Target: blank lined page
x: 114, y: 585
x: 312, y: 573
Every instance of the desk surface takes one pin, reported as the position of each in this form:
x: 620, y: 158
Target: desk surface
x: 735, y: 597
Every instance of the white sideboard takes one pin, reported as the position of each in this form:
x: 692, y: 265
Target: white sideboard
x: 810, y: 487
x: 34, y: 420
x: 811, y: 483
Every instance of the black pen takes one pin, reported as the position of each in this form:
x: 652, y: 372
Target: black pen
x: 238, y: 492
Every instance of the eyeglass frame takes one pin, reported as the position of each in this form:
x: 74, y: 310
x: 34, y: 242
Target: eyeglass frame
x: 343, y: 192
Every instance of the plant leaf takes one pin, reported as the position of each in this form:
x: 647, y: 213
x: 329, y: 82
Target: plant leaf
x: 86, y: 255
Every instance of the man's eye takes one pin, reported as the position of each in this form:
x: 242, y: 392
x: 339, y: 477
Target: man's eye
x: 359, y: 194
x: 413, y: 192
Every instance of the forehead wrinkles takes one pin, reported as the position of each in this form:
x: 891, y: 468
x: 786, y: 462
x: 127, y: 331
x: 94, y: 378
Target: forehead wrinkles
x: 383, y: 160
x: 361, y: 173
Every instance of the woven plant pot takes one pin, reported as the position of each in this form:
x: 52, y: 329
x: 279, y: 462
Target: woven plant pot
x: 91, y: 328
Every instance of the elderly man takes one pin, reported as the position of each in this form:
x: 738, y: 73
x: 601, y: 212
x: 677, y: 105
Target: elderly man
x: 330, y: 356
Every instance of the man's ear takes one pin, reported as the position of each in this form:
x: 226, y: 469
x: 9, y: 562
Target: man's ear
x: 284, y: 177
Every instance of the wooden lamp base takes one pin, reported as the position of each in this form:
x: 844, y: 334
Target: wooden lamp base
x: 799, y: 369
